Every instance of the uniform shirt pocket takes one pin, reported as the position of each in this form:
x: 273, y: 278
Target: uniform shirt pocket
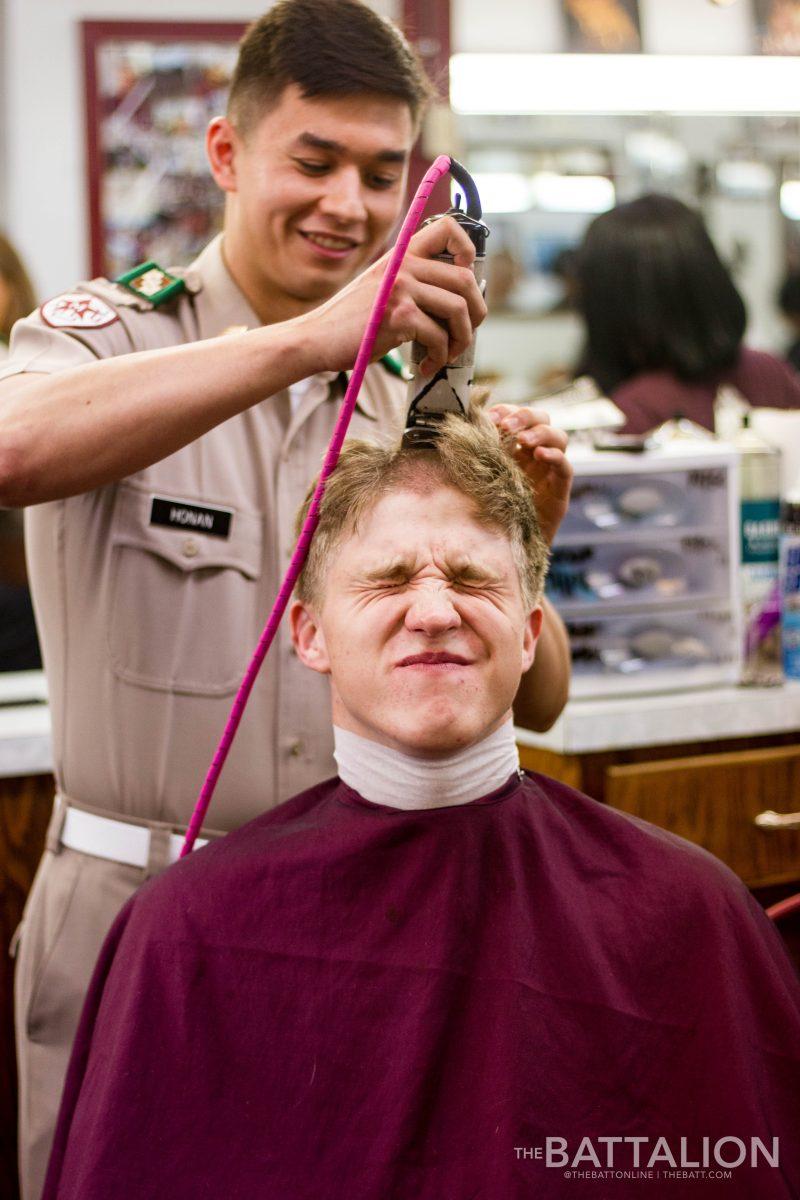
x: 183, y: 601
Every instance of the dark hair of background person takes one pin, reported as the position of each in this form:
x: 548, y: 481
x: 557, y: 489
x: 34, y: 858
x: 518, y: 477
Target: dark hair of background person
x: 655, y: 295
x: 328, y: 48
x: 789, y: 304
x: 21, y: 299
x: 789, y: 295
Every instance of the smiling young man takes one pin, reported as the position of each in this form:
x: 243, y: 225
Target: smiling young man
x: 162, y: 431
x: 295, y: 241
x: 432, y: 976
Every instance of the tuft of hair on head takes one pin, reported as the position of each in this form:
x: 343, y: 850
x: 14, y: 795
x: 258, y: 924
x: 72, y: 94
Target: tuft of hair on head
x: 327, y: 48
x: 470, y: 456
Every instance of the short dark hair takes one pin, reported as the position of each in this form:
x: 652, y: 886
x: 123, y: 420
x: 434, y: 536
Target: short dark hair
x: 327, y: 48
x: 655, y: 295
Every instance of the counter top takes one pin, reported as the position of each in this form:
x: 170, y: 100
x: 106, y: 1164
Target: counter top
x: 25, y: 747
x: 21, y: 687
x: 627, y: 722
x: 24, y: 725
x: 585, y: 726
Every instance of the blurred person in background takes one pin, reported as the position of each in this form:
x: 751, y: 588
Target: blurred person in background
x: 664, y: 320
x: 16, y: 293
x: 19, y: 645
x: 789, y: 304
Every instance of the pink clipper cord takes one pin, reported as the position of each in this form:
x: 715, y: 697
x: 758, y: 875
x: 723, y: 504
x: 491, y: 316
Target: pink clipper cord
x: 440, y: 167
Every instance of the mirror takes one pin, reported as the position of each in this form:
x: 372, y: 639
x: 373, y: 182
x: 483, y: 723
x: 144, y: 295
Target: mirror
x: 544, y: 178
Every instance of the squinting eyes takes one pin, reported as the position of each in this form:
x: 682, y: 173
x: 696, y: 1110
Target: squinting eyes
x: 460, y: 585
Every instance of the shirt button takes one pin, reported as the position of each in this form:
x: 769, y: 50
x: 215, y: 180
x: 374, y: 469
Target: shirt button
x: 190, y: 548
x: 295, y: 748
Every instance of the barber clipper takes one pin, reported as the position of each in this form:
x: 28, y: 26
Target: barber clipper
x: 448, y: 390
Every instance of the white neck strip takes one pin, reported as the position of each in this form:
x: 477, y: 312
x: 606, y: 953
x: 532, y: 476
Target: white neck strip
x: 386, y: 776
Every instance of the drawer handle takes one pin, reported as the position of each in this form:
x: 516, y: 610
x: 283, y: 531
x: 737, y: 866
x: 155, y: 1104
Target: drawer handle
x: 773, y: 820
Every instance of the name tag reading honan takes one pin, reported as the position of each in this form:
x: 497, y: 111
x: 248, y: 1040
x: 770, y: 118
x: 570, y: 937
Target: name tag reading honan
x: 179, y: 514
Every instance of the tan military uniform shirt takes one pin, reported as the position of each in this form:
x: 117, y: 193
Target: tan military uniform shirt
x: 151, y: 593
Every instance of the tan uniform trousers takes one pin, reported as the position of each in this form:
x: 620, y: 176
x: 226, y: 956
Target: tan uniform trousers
x: 57, y: 946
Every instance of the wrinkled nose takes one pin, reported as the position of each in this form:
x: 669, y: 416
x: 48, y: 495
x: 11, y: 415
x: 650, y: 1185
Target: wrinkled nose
x: 343, y: 198
x: 432, y: 612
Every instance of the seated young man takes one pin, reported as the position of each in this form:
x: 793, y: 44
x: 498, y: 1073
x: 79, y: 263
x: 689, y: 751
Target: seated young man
x: 434, y: 977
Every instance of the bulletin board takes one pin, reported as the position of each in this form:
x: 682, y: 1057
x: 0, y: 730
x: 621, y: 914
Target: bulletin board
x: 602, y: 26
x: 777, y: 26
x: 150, y: 90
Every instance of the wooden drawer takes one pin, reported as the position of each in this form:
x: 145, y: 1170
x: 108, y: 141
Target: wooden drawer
x: 25, y: 807
x: 712, y: 799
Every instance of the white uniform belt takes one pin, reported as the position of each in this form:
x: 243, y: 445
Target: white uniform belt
x: 115, y: 840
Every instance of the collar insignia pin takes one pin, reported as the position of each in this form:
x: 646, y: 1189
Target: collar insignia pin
x: 152, y: 282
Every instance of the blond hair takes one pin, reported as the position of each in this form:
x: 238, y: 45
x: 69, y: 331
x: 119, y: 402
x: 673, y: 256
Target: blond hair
x: 470, y: 456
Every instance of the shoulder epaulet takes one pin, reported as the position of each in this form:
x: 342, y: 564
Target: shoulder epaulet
x: 394, y: 364
x: 152, y: 283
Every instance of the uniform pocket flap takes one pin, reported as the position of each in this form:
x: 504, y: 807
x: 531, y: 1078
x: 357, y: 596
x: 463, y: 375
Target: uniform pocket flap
x: 190, y: 533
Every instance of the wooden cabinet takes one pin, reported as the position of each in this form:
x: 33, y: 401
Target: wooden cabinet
x: 710, y: 794
x: 25, y: 806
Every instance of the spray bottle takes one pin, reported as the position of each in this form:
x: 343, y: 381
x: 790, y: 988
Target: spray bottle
x: 790, y: 585
x: 760, y: 518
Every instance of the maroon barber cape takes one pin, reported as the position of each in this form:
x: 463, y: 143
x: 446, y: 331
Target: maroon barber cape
x: 527, y: 996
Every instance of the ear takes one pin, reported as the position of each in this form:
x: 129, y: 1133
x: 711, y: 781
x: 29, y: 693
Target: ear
x: 222, y: 146
x: 530, y: 636
x: 308, y: 638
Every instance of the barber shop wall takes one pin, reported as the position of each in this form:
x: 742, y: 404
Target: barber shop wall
x: 42, y: 164
x: 668, y: 27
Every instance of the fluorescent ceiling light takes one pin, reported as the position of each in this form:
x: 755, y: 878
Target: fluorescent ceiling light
x: 502, y: 191
x: 572, y: 193
x: 790, y: 199
x: 512, y: 192
x: 623, y: 83
x: 739, y: 177
x: 654, y: 151
x: 578, y: 160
